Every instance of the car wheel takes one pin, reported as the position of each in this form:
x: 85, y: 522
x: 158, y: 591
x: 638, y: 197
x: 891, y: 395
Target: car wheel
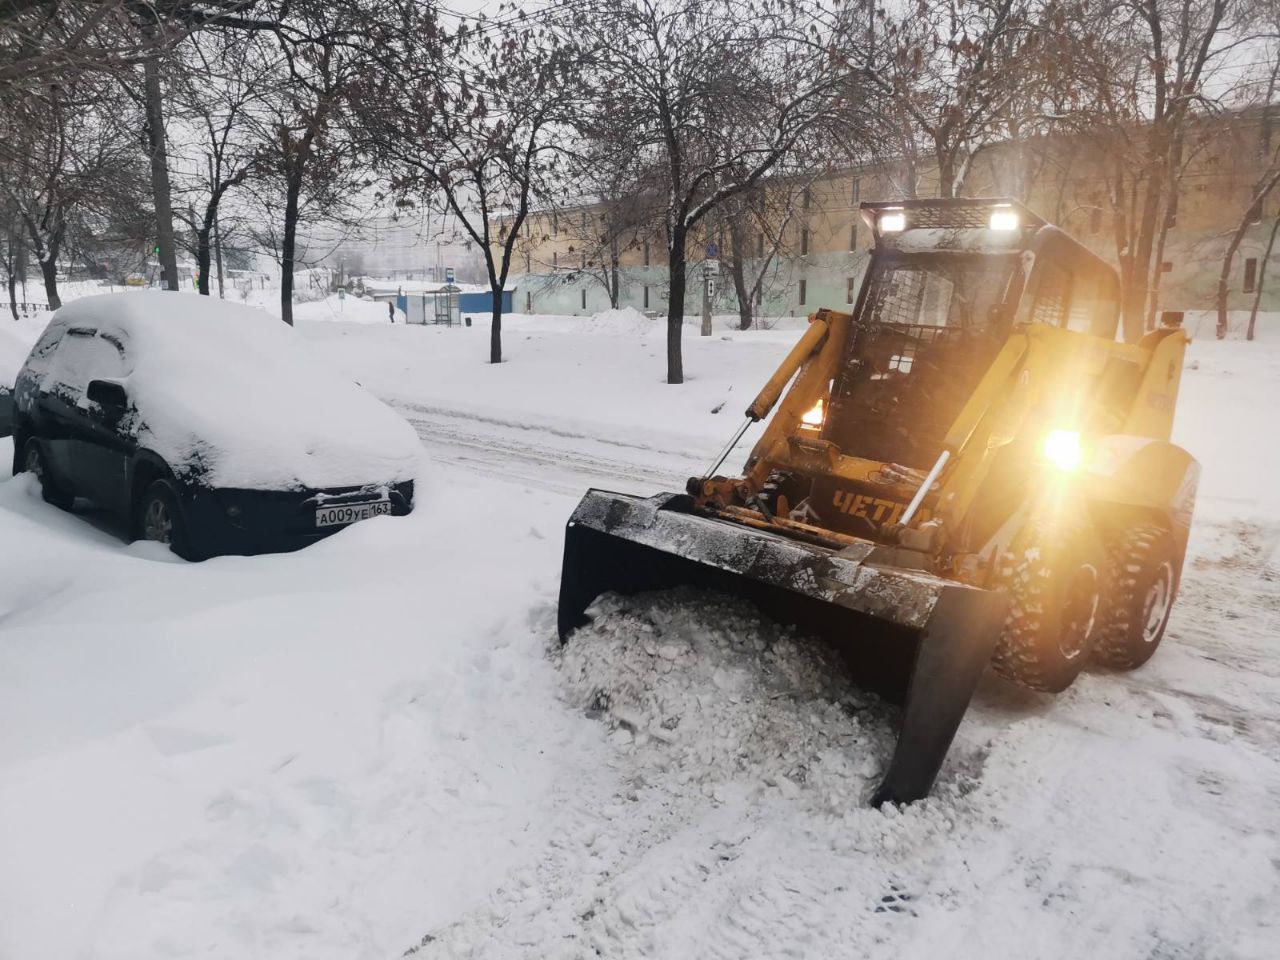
x: 35, y: 463
x: 160, y: 519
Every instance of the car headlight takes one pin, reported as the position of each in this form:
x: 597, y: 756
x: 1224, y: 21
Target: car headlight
x: 1062, y: 449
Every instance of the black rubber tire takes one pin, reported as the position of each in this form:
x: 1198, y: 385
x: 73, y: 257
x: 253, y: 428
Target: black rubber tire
x: 1055, y: 579
x: 35, y: 461
x: 1142, y: 585
x: 158, y: 517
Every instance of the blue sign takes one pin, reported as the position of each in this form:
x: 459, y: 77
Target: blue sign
x: 448, y: 274
x: 712, y: 251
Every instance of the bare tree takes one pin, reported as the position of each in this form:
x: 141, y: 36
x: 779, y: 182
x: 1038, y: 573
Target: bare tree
x: 958, y: 70
x: 220, y: 101
x: 329, y: 53
x: 475, y: 128
x: 624, y: 211
x: 717, y: 92
x: 1142, y: 70
x: 68, y: 156
x: 758, y: 226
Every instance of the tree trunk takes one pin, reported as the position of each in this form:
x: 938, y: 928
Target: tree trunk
x: 1224, y: 275
x: 615, y: 284
x: 675, y: 305
x: 49, y: 270
x: 217, y: 252
x: 288, y: 243
x: 739, y: 274
x: 738, y: 271
x: 1262, y: 273
x: 11, y: 273
x: 1135, y: 305
x: 1157, y: 271
x: 153, y: 97
x: 203, y: 256
x: 495, y: 326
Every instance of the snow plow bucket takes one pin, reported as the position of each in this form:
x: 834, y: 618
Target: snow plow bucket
x: 919, y: 641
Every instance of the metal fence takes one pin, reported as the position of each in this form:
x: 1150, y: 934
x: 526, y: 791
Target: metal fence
x: 26, y: 308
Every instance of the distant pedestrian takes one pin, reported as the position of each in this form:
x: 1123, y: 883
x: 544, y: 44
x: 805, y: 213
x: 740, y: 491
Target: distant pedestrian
x: 391, y: 311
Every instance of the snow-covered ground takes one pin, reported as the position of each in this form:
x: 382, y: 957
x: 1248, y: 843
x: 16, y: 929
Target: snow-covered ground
x: 375, y: 746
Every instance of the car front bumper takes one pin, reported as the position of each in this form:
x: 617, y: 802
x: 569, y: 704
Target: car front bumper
x: 234, y: 521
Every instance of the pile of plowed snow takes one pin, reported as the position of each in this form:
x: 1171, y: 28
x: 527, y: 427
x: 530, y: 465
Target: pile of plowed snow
x: 714, y: 699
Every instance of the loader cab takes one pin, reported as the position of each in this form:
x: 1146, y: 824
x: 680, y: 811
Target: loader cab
x: 948, y: 282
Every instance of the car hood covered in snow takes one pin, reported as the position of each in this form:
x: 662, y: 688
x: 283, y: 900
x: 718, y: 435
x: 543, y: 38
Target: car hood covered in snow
x: 233, y: 396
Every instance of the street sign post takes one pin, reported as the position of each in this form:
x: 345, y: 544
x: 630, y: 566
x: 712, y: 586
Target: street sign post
x: 710, y: 273
x: 448, y: 274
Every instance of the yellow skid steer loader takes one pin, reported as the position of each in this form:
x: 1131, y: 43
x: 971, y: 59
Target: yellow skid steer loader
x: 967, y: 469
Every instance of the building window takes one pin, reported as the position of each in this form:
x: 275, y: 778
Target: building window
x: 804, y: 242
x: 1250, y: 274
x: 528, y: 261
x: 584, y: 298
x: 1171, y: 214
x: 760, y: 246
x: 528, y: 301
x: 555, y: 259
x: 759, y: 296
x: 806, y: 197
x: 584, y: 261
x: 1166, y: 266
x: 646, y: 253
x: 855, y: 190
x: 584, y: 219
x: 802, y: 293
x: 555, y: 224
x: 848, y: 291
x: 853, y: 236
x: 646, y: 297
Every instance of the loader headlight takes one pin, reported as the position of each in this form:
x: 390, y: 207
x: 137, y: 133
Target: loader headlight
x: 894, y: 222
x: 1062, y: 449
x: 814, y: 415
x: 1004, y: 218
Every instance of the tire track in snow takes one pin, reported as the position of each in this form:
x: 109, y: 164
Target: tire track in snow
x: 552, y: 459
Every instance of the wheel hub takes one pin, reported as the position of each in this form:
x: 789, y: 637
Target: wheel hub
x: 1155, y: 606
x: 1079, y: 612
x: 157, y: 524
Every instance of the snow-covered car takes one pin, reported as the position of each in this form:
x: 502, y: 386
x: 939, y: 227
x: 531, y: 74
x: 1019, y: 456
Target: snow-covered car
x: 206, y: 425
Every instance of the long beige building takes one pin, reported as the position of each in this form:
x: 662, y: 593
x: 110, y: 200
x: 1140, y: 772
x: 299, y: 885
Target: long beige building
x: 559, y: 266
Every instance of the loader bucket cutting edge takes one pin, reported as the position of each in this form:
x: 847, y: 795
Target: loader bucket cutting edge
x: 917, y: 640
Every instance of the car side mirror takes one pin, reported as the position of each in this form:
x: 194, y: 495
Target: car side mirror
x: 107, y: 394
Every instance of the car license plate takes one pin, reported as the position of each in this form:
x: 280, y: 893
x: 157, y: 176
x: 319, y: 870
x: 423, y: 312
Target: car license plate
x: 350, y: 512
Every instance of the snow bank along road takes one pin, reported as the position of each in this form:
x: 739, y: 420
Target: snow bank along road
x: 374, y: 746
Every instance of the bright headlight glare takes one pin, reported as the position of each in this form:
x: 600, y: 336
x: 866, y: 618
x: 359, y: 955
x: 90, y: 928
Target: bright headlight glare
x: 892, y: 222
x: 813, y: 416
x: 1004, y: 219
x: 1062, y: 449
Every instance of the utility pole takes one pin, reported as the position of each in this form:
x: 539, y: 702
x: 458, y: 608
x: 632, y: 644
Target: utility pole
x: 153, y: 97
